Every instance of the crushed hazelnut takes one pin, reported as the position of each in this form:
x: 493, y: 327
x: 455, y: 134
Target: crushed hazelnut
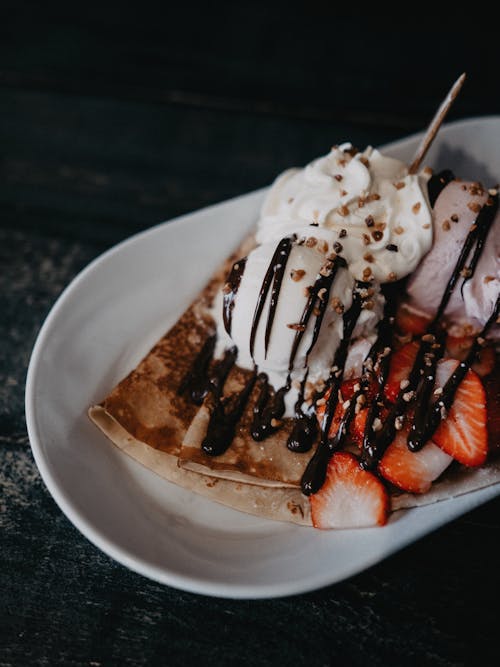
x: 474, y: 206
x: 276, y: 423
x: 297, y: 274
x: 408, y: 396
x: 369, y: 221
x: 323, y: 246
x: 416, y: 207
x: 438, y: 391
x: 466, y: 272
x: 392, y: 277
x: 342, y: 233
x: 399, y: 185
x: 338, y: 177
x: 398, y: 422
x: 227, y: 289
x: 488, y: 279
x: 373, y: 197
x: 338, y: 247
x: 321, y: 294
x: 403, y: 384
x: 366, y: 239
x: 343, y: 210
x: 364, y: 160
x: 297, y: 326
x: 367, y: 272
x: 311, y: 241
x: 446, y: 225
x: 426, y: 226
x: 428, y: 338
x: 368, y: 257
x: 399, y: 230
x: 368, y: 305
x: 454, y: 217
x: 377, y: 235
x: 337, y: 305
x: 377, y: 425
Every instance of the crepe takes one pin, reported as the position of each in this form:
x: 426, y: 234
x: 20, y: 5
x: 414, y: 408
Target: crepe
x: 149, y: 420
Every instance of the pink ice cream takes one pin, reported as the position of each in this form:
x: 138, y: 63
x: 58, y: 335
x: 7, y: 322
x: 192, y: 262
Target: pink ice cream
x: 455, y: 211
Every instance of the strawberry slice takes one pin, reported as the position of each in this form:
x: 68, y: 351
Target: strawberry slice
x: 412, y: 471
x: 463, y: 434
x: 407, y: 321
x: 458, y: 348
x: 399, y: 369
x: 350, y: 497
x: 347, y: 391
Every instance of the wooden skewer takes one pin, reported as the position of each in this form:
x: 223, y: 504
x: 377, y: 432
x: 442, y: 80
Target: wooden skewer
x: 435, y: 124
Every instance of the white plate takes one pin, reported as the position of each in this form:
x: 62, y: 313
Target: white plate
x: 101, y: 326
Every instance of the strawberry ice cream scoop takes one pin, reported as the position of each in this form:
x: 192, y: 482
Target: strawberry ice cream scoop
x: 455, y: 211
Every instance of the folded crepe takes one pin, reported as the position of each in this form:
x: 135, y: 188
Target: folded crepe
x: 151, y: 420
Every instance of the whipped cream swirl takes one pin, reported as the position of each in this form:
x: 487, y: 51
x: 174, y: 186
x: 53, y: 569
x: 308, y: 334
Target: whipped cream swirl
x: 366, y: 206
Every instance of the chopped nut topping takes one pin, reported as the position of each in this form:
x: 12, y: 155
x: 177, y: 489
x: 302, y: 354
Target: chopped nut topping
x: 357, y: 387
x: 377, y: 425
x: 276, y: 423
x: 369, y: 221
x: 392, y: 247
x: 337, y: 305
x: 366, y: 239
x: 343, y: 211
x: 311, y: 241
x: 367, y: 272
x: 438, y: 391
x: 481, y: 341
x: 377, y: 235
x: 373, y: 197
x: 443, y: 412
x: 346, y: 404
x: 488, y: 279
x: 476, y: 189
x: 227, y: 289
x: 399, y: 230
x: 364, y: 160
x: 368, y: 305
x: 398, y: 423
x: 399, y: 185
x: 474, y: 206
x: 466, y: 272
x: 316, y: 312
x: 323, y: 246
x: 307, y: 291
x: 321, y: 401
x: 454, y: 217
x: 297, y: 274
x: 493, y: 192
x: 332, y: 256
x: 297, y: 327
x: 403, y: 384
x: 426, y: 226
x: 408, y: 396
x: 343, y: 193
x: 429, y: 338
x: 321, y: 293
x: 416, y: 207
x: 428, y: 171
x: 446, y: 225
x: 342, y: 233
x: 338, y: 177
x: 361, y: 202
x: 368, y: 257
x: 326, y: 269
x: 392, y: 277
x: 338, y: 247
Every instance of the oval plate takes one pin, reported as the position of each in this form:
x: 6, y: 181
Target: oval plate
x: 100, y: 328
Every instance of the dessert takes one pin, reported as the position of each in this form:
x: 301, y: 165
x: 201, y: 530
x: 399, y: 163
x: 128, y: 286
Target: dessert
x: 341, y: 365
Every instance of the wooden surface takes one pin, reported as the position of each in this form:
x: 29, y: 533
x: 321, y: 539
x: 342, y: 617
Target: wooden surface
x: 114, y: 119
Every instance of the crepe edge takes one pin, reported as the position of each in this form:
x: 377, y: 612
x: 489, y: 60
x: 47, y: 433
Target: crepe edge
x: 276, y: 503
x: 279, y: 504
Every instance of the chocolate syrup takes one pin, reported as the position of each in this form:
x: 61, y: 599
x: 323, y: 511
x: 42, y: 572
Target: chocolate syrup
x: 437, y: 183
x: 224, y: 417
x: 274, y: 274
x: 305, y: 424
x: 268, y: 409
x: 196, y: 380
x: 230, y: 290
x: 315, y: 472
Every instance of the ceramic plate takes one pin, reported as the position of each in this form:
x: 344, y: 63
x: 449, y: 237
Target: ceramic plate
x: 102, y: 325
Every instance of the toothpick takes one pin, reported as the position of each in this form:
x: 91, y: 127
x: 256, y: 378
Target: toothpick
x: 435, y: 124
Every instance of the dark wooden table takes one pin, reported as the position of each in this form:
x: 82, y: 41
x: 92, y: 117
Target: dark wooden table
x: 113, y: 119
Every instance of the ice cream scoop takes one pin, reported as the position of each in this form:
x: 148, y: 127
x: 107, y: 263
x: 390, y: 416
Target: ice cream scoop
x: 456, y: 210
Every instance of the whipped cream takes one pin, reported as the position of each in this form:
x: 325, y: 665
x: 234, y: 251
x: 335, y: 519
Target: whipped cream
x: 366, y: 206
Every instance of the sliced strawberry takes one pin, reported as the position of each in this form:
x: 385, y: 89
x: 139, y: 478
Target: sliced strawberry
x: 463, y: 434
x: 412, y: 471
x: 358, y: 426
x: 401, y: 364
x: 407, y: 321
x: 458, y: 348
x: 350, y: 497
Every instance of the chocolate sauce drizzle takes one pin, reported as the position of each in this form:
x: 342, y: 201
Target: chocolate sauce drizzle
x: 274, y: 274
x: 196, y: 381
x: 230, y: 290
x: 268, y: 409
x: 437, y: 183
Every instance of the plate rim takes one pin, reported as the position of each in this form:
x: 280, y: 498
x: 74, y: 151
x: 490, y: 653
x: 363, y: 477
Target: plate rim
x: 192, y: 584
